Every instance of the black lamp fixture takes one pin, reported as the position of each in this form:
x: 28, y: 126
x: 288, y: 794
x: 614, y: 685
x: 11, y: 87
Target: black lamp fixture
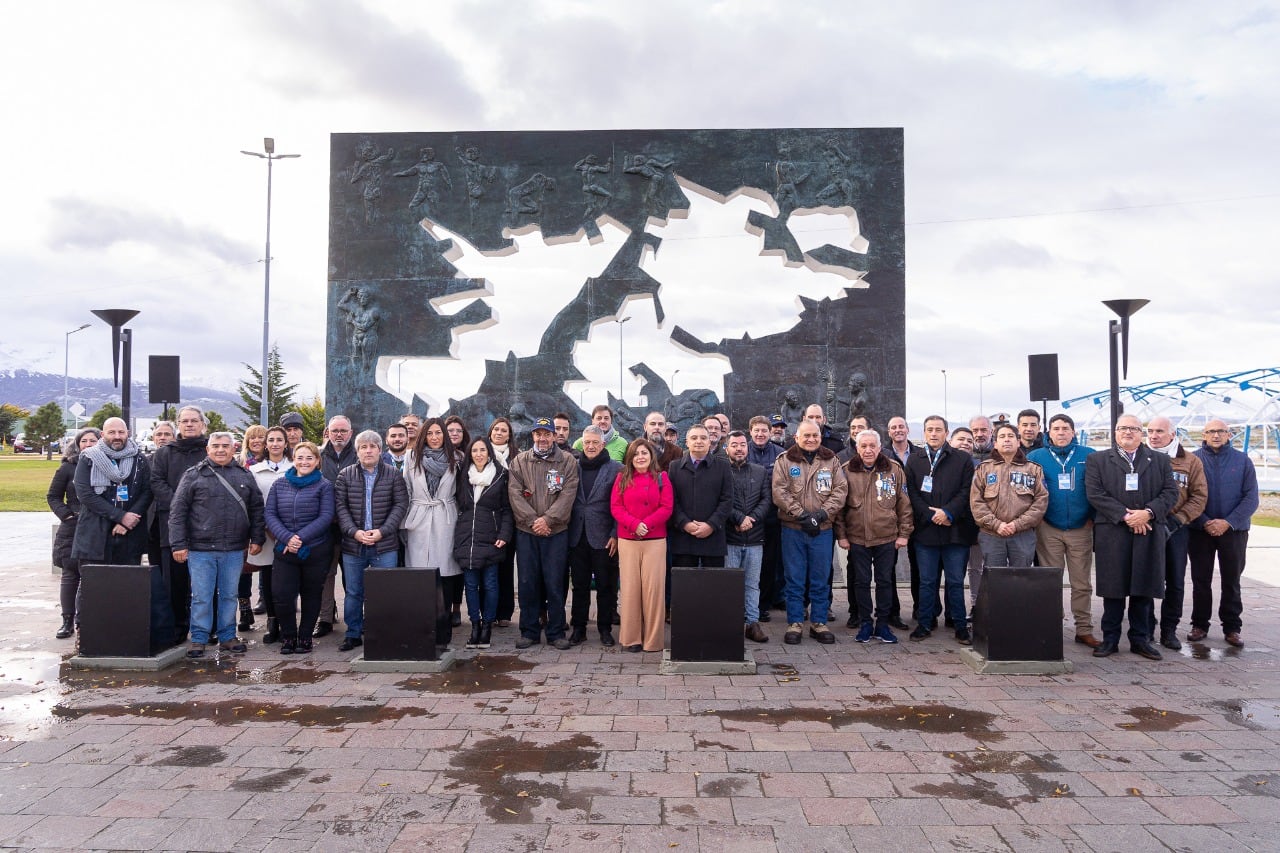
x: 121, y: 345
x: 1118, y: 340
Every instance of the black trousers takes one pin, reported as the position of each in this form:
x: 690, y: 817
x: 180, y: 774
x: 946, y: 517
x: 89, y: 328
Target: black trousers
x: 293, y: 578
x: 771, y: 581
x: 1142, y: 618
x: 697, y: 561
x: 585, y: 564
x: 1175, y: 577
x: 865, y: 564
x: 446, y: 589
x: 1229, y: 549
x: 179, y: 580
x: 507, y: 583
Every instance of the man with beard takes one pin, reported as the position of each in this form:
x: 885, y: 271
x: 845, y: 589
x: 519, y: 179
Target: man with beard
x: 744, y: 532
x: 1193, y: 494
x: 655, y: 429
x: 167, y: 467
x: 980, y: 426
x: 764, y: 451
x: 1222, y: 531
x: 113, y: 484
x: 1132, y: 489
x: 614, y: 443
x: 397, y: 444
x: 714, y: 432
x: 338, y: 453
x: 563, y: 428
x: 293, y: 432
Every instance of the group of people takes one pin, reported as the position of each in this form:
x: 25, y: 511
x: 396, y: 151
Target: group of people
x: 548, y: 525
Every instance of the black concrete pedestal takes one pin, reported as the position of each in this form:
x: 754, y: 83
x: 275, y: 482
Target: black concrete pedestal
x: 115, y: 611
x: 400, y: 607
x: 706, y: 614
x: 1018, y: 615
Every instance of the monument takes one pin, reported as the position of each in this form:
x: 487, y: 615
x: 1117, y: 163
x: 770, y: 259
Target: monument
x: 412, y: 213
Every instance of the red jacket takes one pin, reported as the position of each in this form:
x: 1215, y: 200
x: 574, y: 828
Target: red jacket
x: 643, y: 501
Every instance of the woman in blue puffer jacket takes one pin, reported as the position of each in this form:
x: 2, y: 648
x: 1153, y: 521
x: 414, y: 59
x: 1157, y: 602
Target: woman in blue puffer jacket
x: 300, y: 509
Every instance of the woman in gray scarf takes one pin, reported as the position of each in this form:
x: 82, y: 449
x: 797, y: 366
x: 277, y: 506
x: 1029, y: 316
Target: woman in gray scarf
x: 430, y: 472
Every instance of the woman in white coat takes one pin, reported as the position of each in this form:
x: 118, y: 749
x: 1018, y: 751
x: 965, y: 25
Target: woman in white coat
x: 430, y: 472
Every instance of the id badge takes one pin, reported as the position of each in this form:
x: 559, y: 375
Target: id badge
x: 1065, y: 483
x: 122, y: 493
x: 926, y: 485
x: 555, y: 481
x: 822, y: 482
x: 1131, y: 482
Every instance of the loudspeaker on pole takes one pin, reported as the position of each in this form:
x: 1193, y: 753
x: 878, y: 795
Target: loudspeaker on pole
x: 1042, y: 374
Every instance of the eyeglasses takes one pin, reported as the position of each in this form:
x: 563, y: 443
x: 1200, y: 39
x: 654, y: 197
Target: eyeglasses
x: 1128, y: 429
x: 1216, y: 431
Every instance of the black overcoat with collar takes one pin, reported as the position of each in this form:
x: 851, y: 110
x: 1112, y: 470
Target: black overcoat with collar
x: 1128, y: 563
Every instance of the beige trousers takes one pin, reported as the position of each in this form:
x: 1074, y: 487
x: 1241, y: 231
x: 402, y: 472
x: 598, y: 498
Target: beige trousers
x: 642, y: 581
x: 1074, y: 550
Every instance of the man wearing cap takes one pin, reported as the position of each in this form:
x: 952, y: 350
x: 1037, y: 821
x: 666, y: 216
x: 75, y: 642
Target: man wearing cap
x: 778, y: 430
x: 292, y: 423
x: 542, y: 487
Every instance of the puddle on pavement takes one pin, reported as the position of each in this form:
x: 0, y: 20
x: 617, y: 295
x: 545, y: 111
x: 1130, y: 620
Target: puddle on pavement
x: 1259, y: 785
x: 878, y: 698
x: 1004, y: 762
x: 903, y: 718
x: 1150, y: 719
x: 234, y: 713
x: 714, y: 744
x: 981, y: 791
x: 268, y: 782
x: 190, y: 674
x: 726, y: 787
x: 487, y: 768
x: 1022, y: 766
x: 480, y: 674
x: 192, y: 756
x: 1253, y: 713
x: 1199, y: 651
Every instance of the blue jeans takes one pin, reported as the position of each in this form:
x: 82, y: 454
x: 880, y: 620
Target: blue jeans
x: 543, y: 565
x: 806, y: 565
x: 482, y: 608
x: 749, y: 558
x: 353, y: 566
x: 949, y: 562
x: 212, y: 570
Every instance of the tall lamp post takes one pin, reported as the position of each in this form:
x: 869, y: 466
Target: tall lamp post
x: 1118, y: 342
x: 982, y: 406
x: 945, y: 416
x: 270, y: 155
x: 672, y: 385
x: 121, y: 350
x: 620, y: 322
x: 66, y: 372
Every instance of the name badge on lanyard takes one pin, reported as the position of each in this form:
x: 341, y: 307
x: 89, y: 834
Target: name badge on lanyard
x: 1066, y: 482
x: 926, y: 484
x: 1131, y: 482
x: 122, y: 492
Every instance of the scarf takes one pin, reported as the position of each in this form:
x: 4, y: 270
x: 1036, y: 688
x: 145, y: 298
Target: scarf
x: 596, y: 462
x: 107, y: 466
x: 434, y: 464
x: 481, y: 480
x: 503, y: 452
x: 544, y: 454
x: 608, y: 436
x: 301, y: 482
x: 1170, y: 449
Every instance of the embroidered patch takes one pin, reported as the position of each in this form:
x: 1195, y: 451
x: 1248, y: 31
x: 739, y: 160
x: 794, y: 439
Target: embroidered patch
x: 991, y: 479
x: 795, y: 471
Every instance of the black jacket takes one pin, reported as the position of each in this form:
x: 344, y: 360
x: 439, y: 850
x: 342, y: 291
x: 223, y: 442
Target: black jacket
x: 592, y: 513
x: 100, y: 513
x: 167, y: 467
x: 1126, y: 563
x: 481, y: 523
x: 332, y: 462
x: 702, y: 495
x: 65, y: 503
x: 753, y: 497
x: 390, y: 504
x: 952, y: 477
x: 205, y: 517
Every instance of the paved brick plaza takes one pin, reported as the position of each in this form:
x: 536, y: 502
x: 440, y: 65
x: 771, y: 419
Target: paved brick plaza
x: 826, y: 748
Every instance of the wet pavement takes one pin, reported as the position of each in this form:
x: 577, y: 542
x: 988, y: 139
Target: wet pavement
x: 844, y: 747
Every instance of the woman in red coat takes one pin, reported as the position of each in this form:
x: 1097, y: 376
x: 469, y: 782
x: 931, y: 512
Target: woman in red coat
x: 641, y: 504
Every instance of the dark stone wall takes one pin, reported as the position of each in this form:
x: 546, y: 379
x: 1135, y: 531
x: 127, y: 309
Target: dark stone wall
x: 385, y: 268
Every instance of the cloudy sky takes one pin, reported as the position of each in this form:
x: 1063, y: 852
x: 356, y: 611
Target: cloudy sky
x: 1057, y: 155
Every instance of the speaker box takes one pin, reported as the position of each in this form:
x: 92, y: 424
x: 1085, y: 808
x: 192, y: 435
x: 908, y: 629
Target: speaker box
x: 1042, y: 371
x: 163, y: 385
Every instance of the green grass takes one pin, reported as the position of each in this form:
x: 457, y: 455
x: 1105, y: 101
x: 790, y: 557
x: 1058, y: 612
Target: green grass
x: 1265, y: 520
x: 24, y: 481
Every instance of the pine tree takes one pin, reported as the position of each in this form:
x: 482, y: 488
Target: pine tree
x: 108, y: 410
x: 279, y: 395
x: 215, y: 423
x: 313, y: 419
x: 45, y: 427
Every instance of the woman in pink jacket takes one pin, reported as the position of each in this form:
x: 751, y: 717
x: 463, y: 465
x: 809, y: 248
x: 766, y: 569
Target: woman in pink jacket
x: 641, y: 504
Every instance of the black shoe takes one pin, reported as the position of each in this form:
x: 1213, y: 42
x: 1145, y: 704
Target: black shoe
x: 606, y: 638
x: 896, y: 622
x: 349, y: 643
x: 920, y: 633
x: 246, y: 615
x: 963, y: 637
x: 764, y: 616
x: 323, y: 629
x: 456, y: 619
x: 636, y: 648
x: 67, y: 628
x: 474, y: 639
x: 288, y: 645
x: 1170, y: 641
x: 273, y: 631
x: 948, y: 622
x: 486, y: 633
x: 259, y: 608
x: 854, y: 621
x: 1147, y: 650
x: 1106, y: 650
x: 304, y: 646
x: 577, y: 635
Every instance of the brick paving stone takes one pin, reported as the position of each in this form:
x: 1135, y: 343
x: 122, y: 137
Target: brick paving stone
x: 703, y: 761
x: 1120, y: 784
x: 1119, y: 811
x: 70, y: 801
x: 625, y: 810
x: 975, y: 839
x: 767, y: 811
x: 207, y: 804
x: 910, y: 812
x: 13, y: 825
x: 677, y: 811
x: 656, y: 839
x: 135, y: 833
x: 1072, y: 811
x: 668, y: 784
x: 209, y: 834
x: 140, y: 803
x: 503, y: 838
x: 729, y: 785
x: 1120, y: 839
x: 272, y: 805
x: 648, y: 760
x: 794, y: 785
x: 838, y: 811
x: 1256, y: 835
x: 1194, y: 810
x: 1199, y: 838
x: 59, y: 831
x: 206, y: 778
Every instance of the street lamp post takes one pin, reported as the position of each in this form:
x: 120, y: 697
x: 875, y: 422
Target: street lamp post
x: 66, y: 372
x: 671, y: 386
x: 982, y: 406
x: 620, y: 322
x: 945, y: 416
x: 269, y: 146
x: 1118, y: 345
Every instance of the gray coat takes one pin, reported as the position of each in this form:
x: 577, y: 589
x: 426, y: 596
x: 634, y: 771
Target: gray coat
x: 592, y: 514
x: 1128, y: 564
x: 99, y: 513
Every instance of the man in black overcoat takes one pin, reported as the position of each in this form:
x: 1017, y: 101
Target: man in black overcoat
x: 1132, y: 489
